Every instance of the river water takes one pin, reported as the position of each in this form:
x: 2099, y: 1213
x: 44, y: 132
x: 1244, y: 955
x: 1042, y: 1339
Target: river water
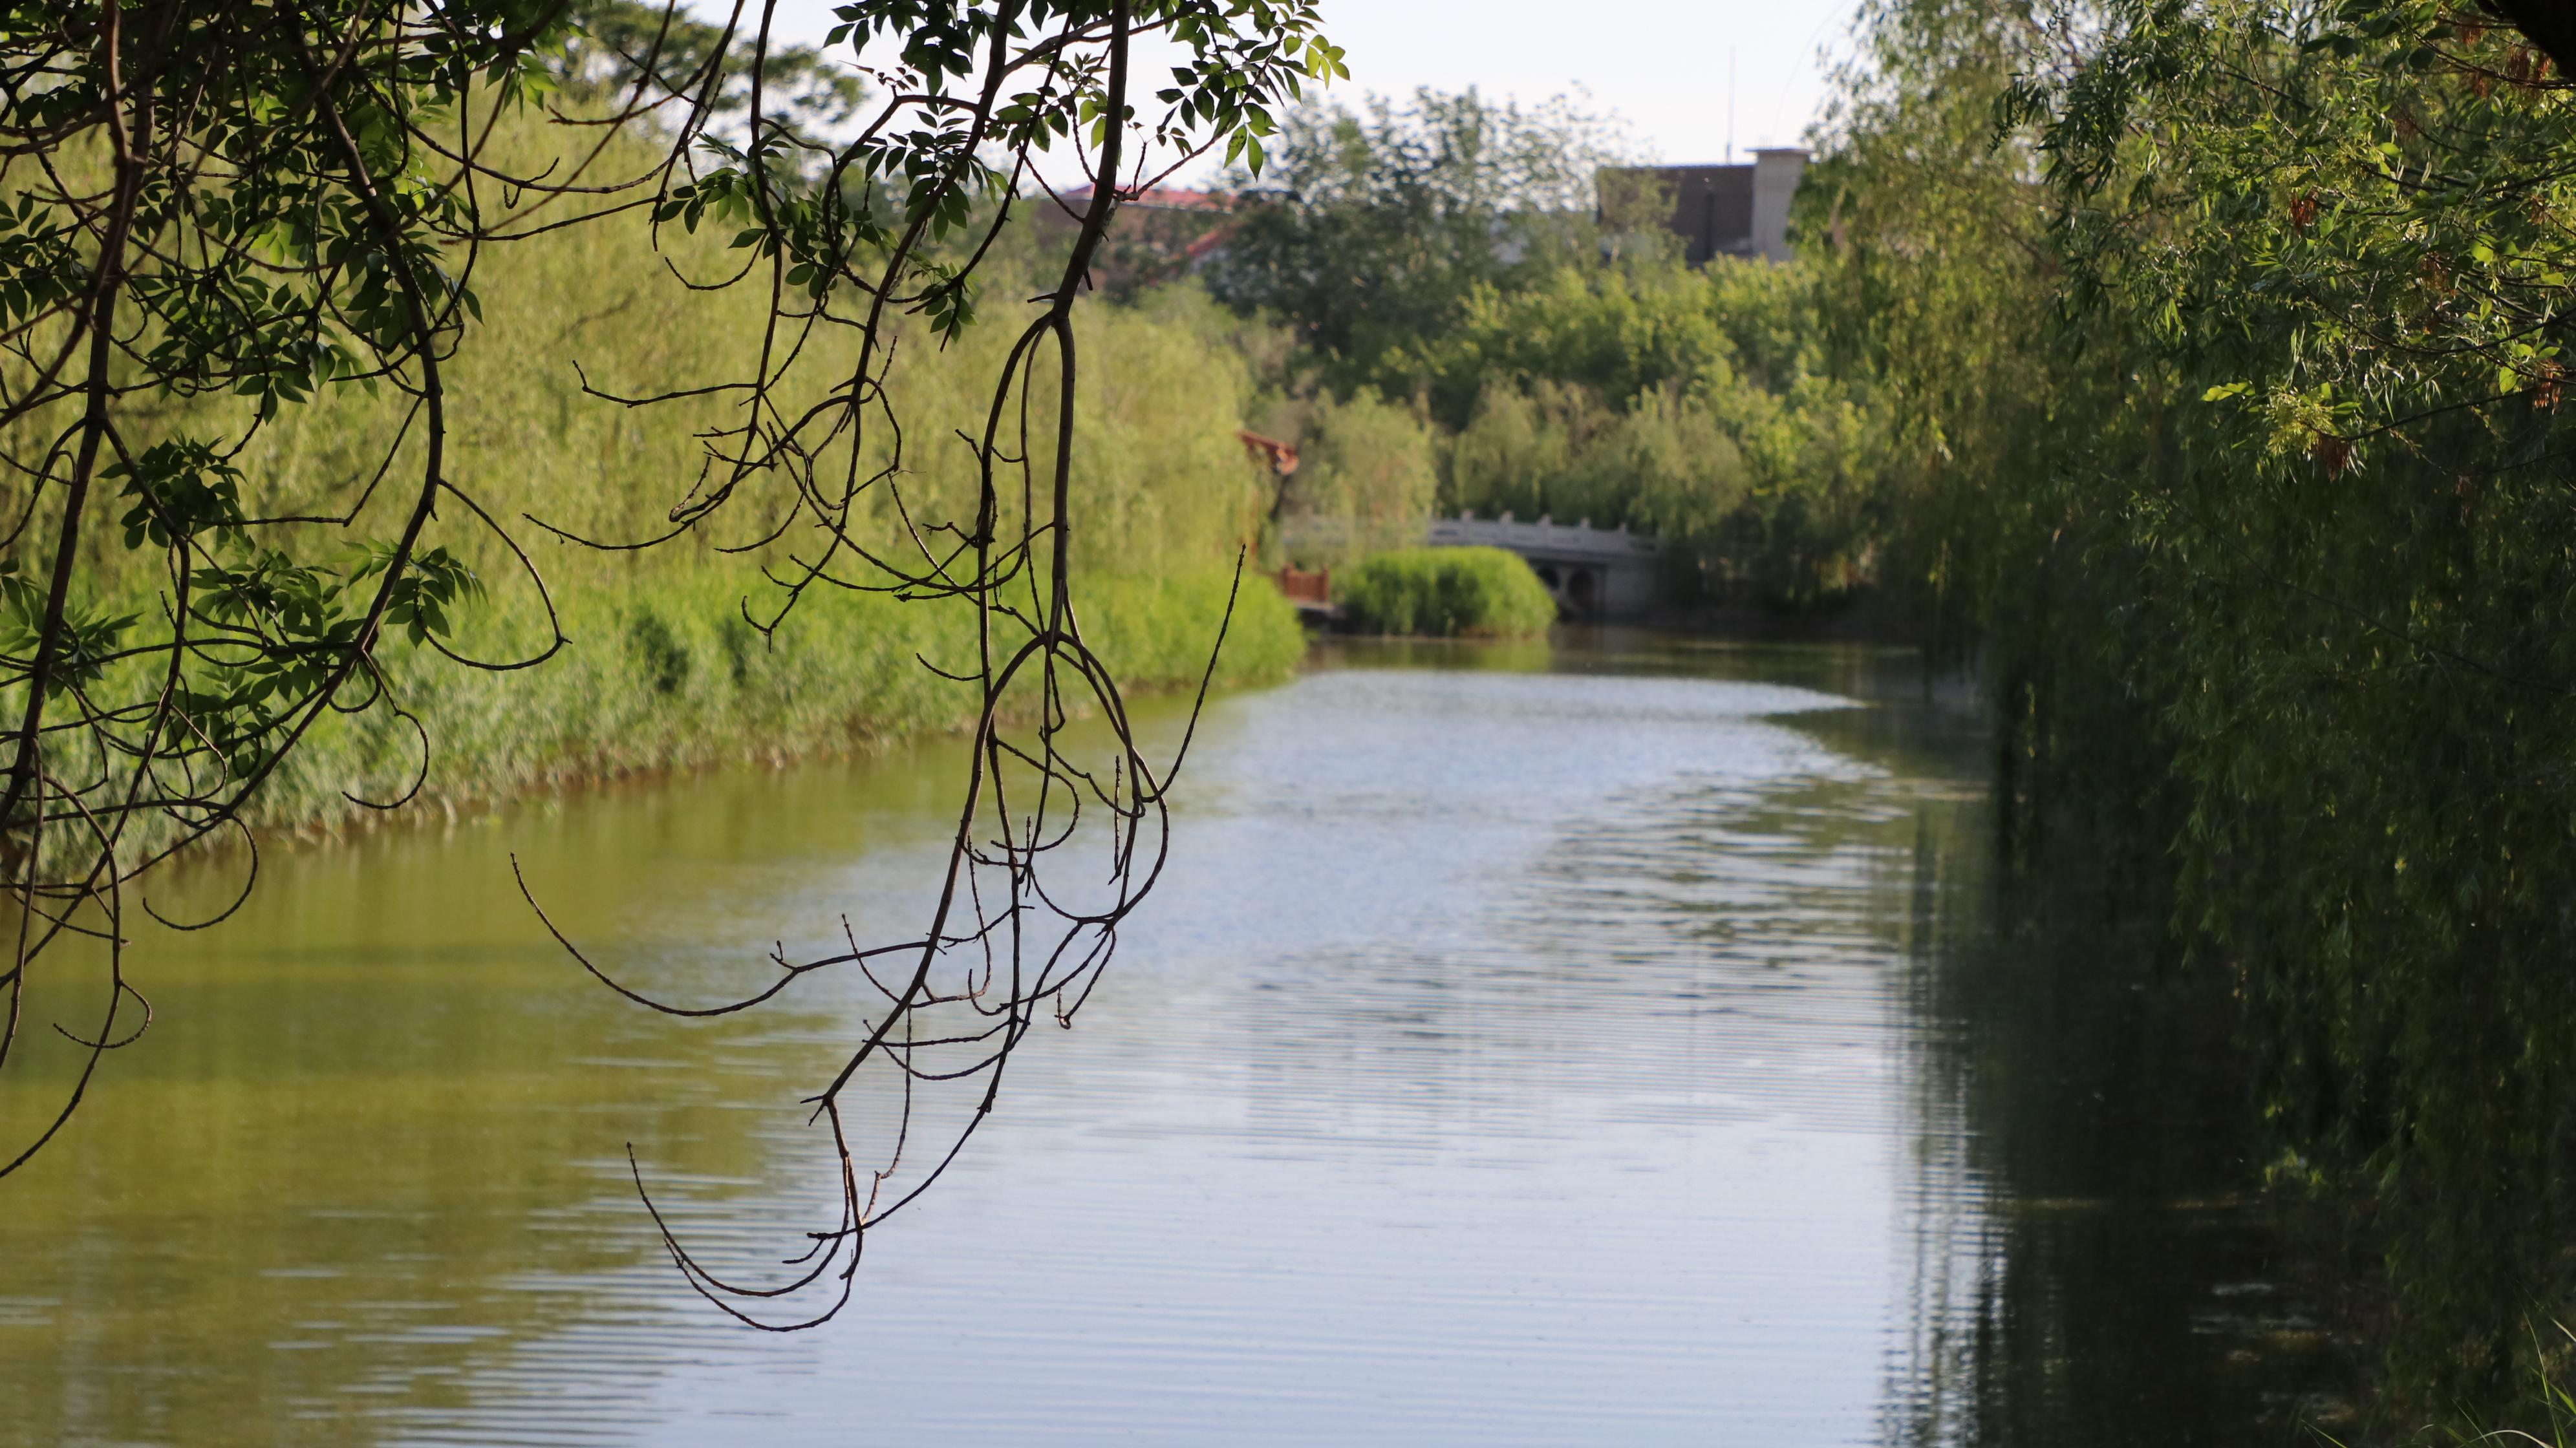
x: 1606, y: 1044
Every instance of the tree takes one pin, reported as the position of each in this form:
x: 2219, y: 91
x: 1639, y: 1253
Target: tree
x: 217, y: 211
x: 2238, y: 373
x: 1367, y: 232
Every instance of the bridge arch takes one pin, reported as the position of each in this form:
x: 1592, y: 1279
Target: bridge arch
x: 1592, y: 573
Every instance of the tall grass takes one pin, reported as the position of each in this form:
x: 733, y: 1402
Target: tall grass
x: 661, y: 667
x: 1161, y: 486
x: 665, y: 673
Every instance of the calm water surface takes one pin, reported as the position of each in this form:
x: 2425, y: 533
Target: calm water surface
x: 1604, y: 1046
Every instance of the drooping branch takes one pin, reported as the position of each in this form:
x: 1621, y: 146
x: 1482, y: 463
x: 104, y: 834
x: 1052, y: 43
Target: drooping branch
x: 247, y: 210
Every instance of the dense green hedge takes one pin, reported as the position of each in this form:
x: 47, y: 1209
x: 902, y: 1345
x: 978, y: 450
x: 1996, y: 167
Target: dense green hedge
x: 1447, y: 593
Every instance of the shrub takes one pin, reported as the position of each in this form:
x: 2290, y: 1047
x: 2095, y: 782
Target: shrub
x: 1448, y: 593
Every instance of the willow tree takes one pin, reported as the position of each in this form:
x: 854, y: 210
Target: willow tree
x: 213, y: 212
x: 2267, y: 531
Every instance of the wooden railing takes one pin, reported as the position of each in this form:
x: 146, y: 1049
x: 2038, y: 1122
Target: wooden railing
x: 1299, y: 586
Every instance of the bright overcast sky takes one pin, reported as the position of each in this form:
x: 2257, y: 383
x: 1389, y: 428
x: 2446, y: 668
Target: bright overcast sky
x: 1663, y: 65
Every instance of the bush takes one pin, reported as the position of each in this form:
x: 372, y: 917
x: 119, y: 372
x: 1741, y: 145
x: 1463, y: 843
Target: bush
x: 1447, y: 593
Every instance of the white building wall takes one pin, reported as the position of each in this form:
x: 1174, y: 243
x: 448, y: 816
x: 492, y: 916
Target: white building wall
x: 1776, y: 173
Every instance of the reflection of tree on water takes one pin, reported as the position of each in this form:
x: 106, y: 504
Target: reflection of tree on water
x: 1706, y: 1034
x: 2090, y: 1262
x: 370, y: 1165
x: 383, y: 1242
x: 2084, y: 1260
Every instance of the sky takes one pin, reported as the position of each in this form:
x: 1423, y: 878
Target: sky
x: 1662, y: 65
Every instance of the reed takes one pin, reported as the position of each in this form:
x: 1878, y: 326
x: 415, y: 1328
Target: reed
x: 664, y: 673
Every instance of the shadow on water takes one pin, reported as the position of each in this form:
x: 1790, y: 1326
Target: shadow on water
x: 2091, y: 1259
x: 1611, y: 1043
x: 2094, y: 1263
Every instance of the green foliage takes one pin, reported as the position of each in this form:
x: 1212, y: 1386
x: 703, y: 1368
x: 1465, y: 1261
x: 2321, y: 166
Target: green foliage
x: 663, y: 672
x: 2235, y: 391
x: 244, y: 262
x: 1167, y: 505
x: 1450, y: 255
x: 204, y: 211
x: 1369, y: 232
x: 1616, y: 331
x: 1446, y: 593
x: 614, y: 44
x: 1752, y: 491
x: 2352, y: 299
x: 1663, y: 464
x: 1366, y: 481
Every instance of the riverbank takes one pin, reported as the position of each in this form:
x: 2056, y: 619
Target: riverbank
x: 662, y: 671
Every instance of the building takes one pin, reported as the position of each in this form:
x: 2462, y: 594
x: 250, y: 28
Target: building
x: 1718, y: 210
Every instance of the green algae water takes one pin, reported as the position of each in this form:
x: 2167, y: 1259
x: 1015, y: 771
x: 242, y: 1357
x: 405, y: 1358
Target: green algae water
x: 1605, y: 1043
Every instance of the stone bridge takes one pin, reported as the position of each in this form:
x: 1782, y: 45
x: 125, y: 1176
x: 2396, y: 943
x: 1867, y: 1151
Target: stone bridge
x: 1594, y: 573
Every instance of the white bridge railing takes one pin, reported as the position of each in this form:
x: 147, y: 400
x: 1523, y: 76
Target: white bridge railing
x: 1546, y: 538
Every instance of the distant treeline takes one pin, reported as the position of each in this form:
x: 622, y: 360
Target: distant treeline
x: 1439, y: 313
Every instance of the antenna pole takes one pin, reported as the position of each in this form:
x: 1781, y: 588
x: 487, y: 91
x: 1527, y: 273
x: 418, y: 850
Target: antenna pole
x: 1730, y: 105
